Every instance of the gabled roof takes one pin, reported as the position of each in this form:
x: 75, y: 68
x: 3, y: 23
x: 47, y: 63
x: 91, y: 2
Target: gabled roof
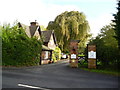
x: 46, y: 35
x: 30, y: 30
x: 27, y: 30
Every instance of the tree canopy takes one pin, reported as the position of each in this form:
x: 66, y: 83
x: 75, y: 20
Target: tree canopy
x: 42, y: 27
x: 70, y: 26
x: 117, y: 24
x: 107, y: 47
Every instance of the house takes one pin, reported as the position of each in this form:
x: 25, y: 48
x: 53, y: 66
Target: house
x: 35, y: 30
x: 49, y: 42
x: 46, y: 55
x: 32, y: 30
x: 48, y: 38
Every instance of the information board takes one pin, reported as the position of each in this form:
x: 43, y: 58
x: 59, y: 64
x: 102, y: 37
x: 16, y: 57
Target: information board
x: 73, y: 56
x: 92, y: 54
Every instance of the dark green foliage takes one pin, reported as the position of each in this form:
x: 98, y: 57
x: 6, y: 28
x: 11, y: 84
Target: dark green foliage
x: 117, y: 24
x: 18, y: 49
x: 107, y: 48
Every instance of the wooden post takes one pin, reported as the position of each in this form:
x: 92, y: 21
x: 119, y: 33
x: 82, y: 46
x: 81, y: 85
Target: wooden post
x: 91, y: 56
x: 74, y: 53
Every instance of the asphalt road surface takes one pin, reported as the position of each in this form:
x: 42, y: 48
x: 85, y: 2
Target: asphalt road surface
x: 57, y: 75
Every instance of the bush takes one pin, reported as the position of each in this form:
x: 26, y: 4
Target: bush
x: 56, y: 55
x: 18, y: 49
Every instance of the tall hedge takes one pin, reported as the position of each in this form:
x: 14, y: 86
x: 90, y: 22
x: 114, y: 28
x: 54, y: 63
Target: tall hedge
x: 18, y: 49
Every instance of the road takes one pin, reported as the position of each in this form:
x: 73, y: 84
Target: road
x: 57, y: 75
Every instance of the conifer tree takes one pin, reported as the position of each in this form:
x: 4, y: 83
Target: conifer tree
x: 117, y: 24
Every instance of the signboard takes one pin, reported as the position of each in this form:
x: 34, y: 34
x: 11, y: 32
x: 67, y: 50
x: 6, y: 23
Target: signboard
x: 92, y: 54
x: 73, y: 56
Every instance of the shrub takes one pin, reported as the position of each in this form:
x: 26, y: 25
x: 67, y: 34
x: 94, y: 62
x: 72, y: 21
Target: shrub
x: 17, y: 48
x: 56, y: 55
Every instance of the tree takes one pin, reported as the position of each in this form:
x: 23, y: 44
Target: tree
x: 42, y: 27
x: 107, y: 46
x: 68, y: 26
x: 117, y: 24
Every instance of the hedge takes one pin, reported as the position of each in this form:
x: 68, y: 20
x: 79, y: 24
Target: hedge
x: 18, y: 49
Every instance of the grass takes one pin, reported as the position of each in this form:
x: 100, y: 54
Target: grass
x: 109, y: 71
x: 115, y: 73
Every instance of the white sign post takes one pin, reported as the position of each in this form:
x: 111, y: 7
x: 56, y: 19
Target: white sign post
x: 92, y: 54
x: 73, y: 56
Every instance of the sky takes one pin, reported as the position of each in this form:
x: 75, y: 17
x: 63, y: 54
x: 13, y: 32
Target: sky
x: 98, y: 12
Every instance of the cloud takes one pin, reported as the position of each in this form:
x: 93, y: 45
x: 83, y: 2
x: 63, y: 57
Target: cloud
x: 16, y: 9
x: 56, y: 1
x: 97, y: 23
x: 31, y: 10
x: 54, y: 10
x: 26, y: 11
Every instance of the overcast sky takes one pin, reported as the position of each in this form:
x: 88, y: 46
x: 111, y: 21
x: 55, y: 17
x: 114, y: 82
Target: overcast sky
x: 98, y: 12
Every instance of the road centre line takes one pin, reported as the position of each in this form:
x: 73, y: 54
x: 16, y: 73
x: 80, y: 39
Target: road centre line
x: 29, y: 86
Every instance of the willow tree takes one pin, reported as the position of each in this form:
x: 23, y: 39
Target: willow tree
x: 70, y: 26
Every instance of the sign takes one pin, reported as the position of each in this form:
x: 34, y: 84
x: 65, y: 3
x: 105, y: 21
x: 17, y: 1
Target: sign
x: 92, y: 54
x: 73, y: 56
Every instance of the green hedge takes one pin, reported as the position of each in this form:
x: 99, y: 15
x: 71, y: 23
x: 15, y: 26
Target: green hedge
x: 18, y: 49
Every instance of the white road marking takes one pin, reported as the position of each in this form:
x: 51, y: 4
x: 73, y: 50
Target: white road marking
x: 28, y: 86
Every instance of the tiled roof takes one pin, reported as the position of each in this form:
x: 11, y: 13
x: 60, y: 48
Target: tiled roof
x: 30, y: 30
x: 46, y: 35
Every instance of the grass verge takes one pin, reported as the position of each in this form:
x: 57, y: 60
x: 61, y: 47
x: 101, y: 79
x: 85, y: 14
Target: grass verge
x: 115, y: 73
x: 108, y: 71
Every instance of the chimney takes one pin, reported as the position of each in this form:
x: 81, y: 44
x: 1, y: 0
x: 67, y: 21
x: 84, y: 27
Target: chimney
x: 34, y: 23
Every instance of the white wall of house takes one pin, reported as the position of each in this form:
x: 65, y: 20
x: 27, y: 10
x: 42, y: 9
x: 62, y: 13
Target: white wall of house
x: 51, y: 43
x: 46, y: 55
x: 37, y: 34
